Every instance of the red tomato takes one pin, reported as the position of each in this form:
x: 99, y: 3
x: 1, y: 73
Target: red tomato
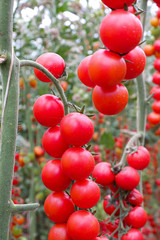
x: 58, y: 206
x: 82, y: 225
x: 16, y: 166
x: 132, y: 235
x: 64, y: 85
x: 53, y: 177
x: 121, y: 31
x: 157, y: 45
x: 77, y: 129
x: 134, y: 197
x: 114, y: 4
x: 53, y: 142
x: 110, y: 101
x: 83, y: 73
x: 106, y: 68
x: 77, y: 163
x: 156, y: 64
x: 85, y: 194
x: 18, y: 219
x: 16, y: 191
x: 53, y: 63
x: 39, y: 151
x: 17, y: 156
x: 103, y: 174
x: 139, y: 159
x: 59, y: 232
x: 127, y: 179
x: 136, y: 218
x: 156, y: 91
x: 153, y: 118
x: 156, y: 78
x: 136, y: 64
x: 112, y: 226
x: 158, y: 13
x: 16, y: 180
x: 48, y: 110
x: 110, y: 208
x: 18, y: 200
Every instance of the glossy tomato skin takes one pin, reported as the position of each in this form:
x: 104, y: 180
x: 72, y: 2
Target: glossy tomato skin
x: 133, y: 234
x: 114, y: 4
x: 156, y: 64
x: 139, y: 159
x: 101, y: 238
x: 53, y: 63
x: 132, y: 10
x: 110, y: 101
x: 135, y: 198
x: 127, y: 179
x: 110, y: 208
x: 48, y: 110
x: 77, y: 163
x: 106, y: 69
x: 117, y: 38
x: 157, y: 45
x: 149, y: 50
x: 83, y: 73
x: 53, y: 176
x: 136, y: 63
x: 156, y: 78
x: 153, y: 118
x: 53, y: 142
x: 136, y: 218
x: 156, y: 107
x: 58, y: 206
x: 77, y: 129
x: 103, y: 174
x: 85, y: 194
x: 82, y: 225
x: 59, y: 232
x: 156, y: 91
x: 112, y: 226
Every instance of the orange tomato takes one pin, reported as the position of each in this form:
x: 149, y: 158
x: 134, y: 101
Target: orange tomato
x: 64, y: 85
x: 148, y: 50
x: 21, y: 83
x: 154, y: 21
x: 18, y: 219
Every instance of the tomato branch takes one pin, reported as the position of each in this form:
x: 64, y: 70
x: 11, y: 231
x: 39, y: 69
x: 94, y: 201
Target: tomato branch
x: 23, y: 207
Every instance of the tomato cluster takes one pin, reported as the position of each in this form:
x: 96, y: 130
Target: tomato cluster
x: 106, y: 68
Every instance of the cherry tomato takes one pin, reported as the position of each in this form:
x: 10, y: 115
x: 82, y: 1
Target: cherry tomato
x: 134, y: 198
x: 158, y: 13
x: 117, y: 38
x: 156, y: 91
x: 157, y: 44
x: 53, y: 177
x: 48, y: 110
x: 156, y: 64
x: 53, y: 63
x: 64, y: 85
x: 110, y: 101
x: 112, y: 226
x: 108, y: 207
x: 156, y: 78
x: 136, y: 63
x: 53, y: 142
x: 18, y: 219
x: 153, y: 118
x: 82, y: 225
x: 83, y: 73
x: 154, y: 21
x: 16, y: 191
x: 16, y: 180
x: 106, y: 69
x: 136, y: 218
x: 77, y: 129
x: 16, y: 167
x: 127, y: 179
x: 85, y: 194
x: 114, y: 4
x: 132, y: 235
x: 77, y: 163
x: 58, y: 206
x: 139, y: 159
x: 59, y: 232
x: 39, y: 151
x: 103, y: 174
x: 18, y: 200
x: 149, y: 50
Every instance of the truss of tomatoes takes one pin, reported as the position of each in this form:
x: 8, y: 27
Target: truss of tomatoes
x: 66, y: 136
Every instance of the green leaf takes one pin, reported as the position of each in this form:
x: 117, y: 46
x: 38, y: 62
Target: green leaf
x: 107, y: 140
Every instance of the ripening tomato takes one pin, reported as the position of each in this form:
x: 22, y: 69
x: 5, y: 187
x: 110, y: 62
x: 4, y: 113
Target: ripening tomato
x: 139, y: 159
x: 136, y: 63
x: 53, y: 176
x: 156, y: 106
x: 48, y: 110
x: 39, y: 151
x: 85, y: 194
x: 64, y: 85
x: 156, y: 78
x: 156, y: 64
x: 134, y: 198
x: 120, y: 31
x: 108, y: 207
x: 18, y: 219
x: 77, y: 163
x: 128, y: 178
x: 53, y: 63
x: 83, y: 73
x: 136, y: 218
x: 153, y: 118
x: 114, y: 4
x: 77, y: 129
x: 110, y: 101
x: 103, y: 174
x: 132, y: 235
x: 58, y: 206
x: 82, y: 225
x: 53, y: 142
x: 59, y: 232
x: 149, y: 50
x: 154, y: 21
x: 106, y: 69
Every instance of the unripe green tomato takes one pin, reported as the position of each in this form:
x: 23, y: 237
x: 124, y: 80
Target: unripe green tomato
x: 155, y: 31
x: 36, y: 180
x: 39, y: 196
x: 26, y: 159
x: 31, y: 156
x: 36, y: 171
x: 42, y: 165
x: 38, y: 188
x: 16, y: 230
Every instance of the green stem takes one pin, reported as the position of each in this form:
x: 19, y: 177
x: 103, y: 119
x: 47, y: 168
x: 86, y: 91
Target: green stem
x: 51, y: 77
x: 23, y: 207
